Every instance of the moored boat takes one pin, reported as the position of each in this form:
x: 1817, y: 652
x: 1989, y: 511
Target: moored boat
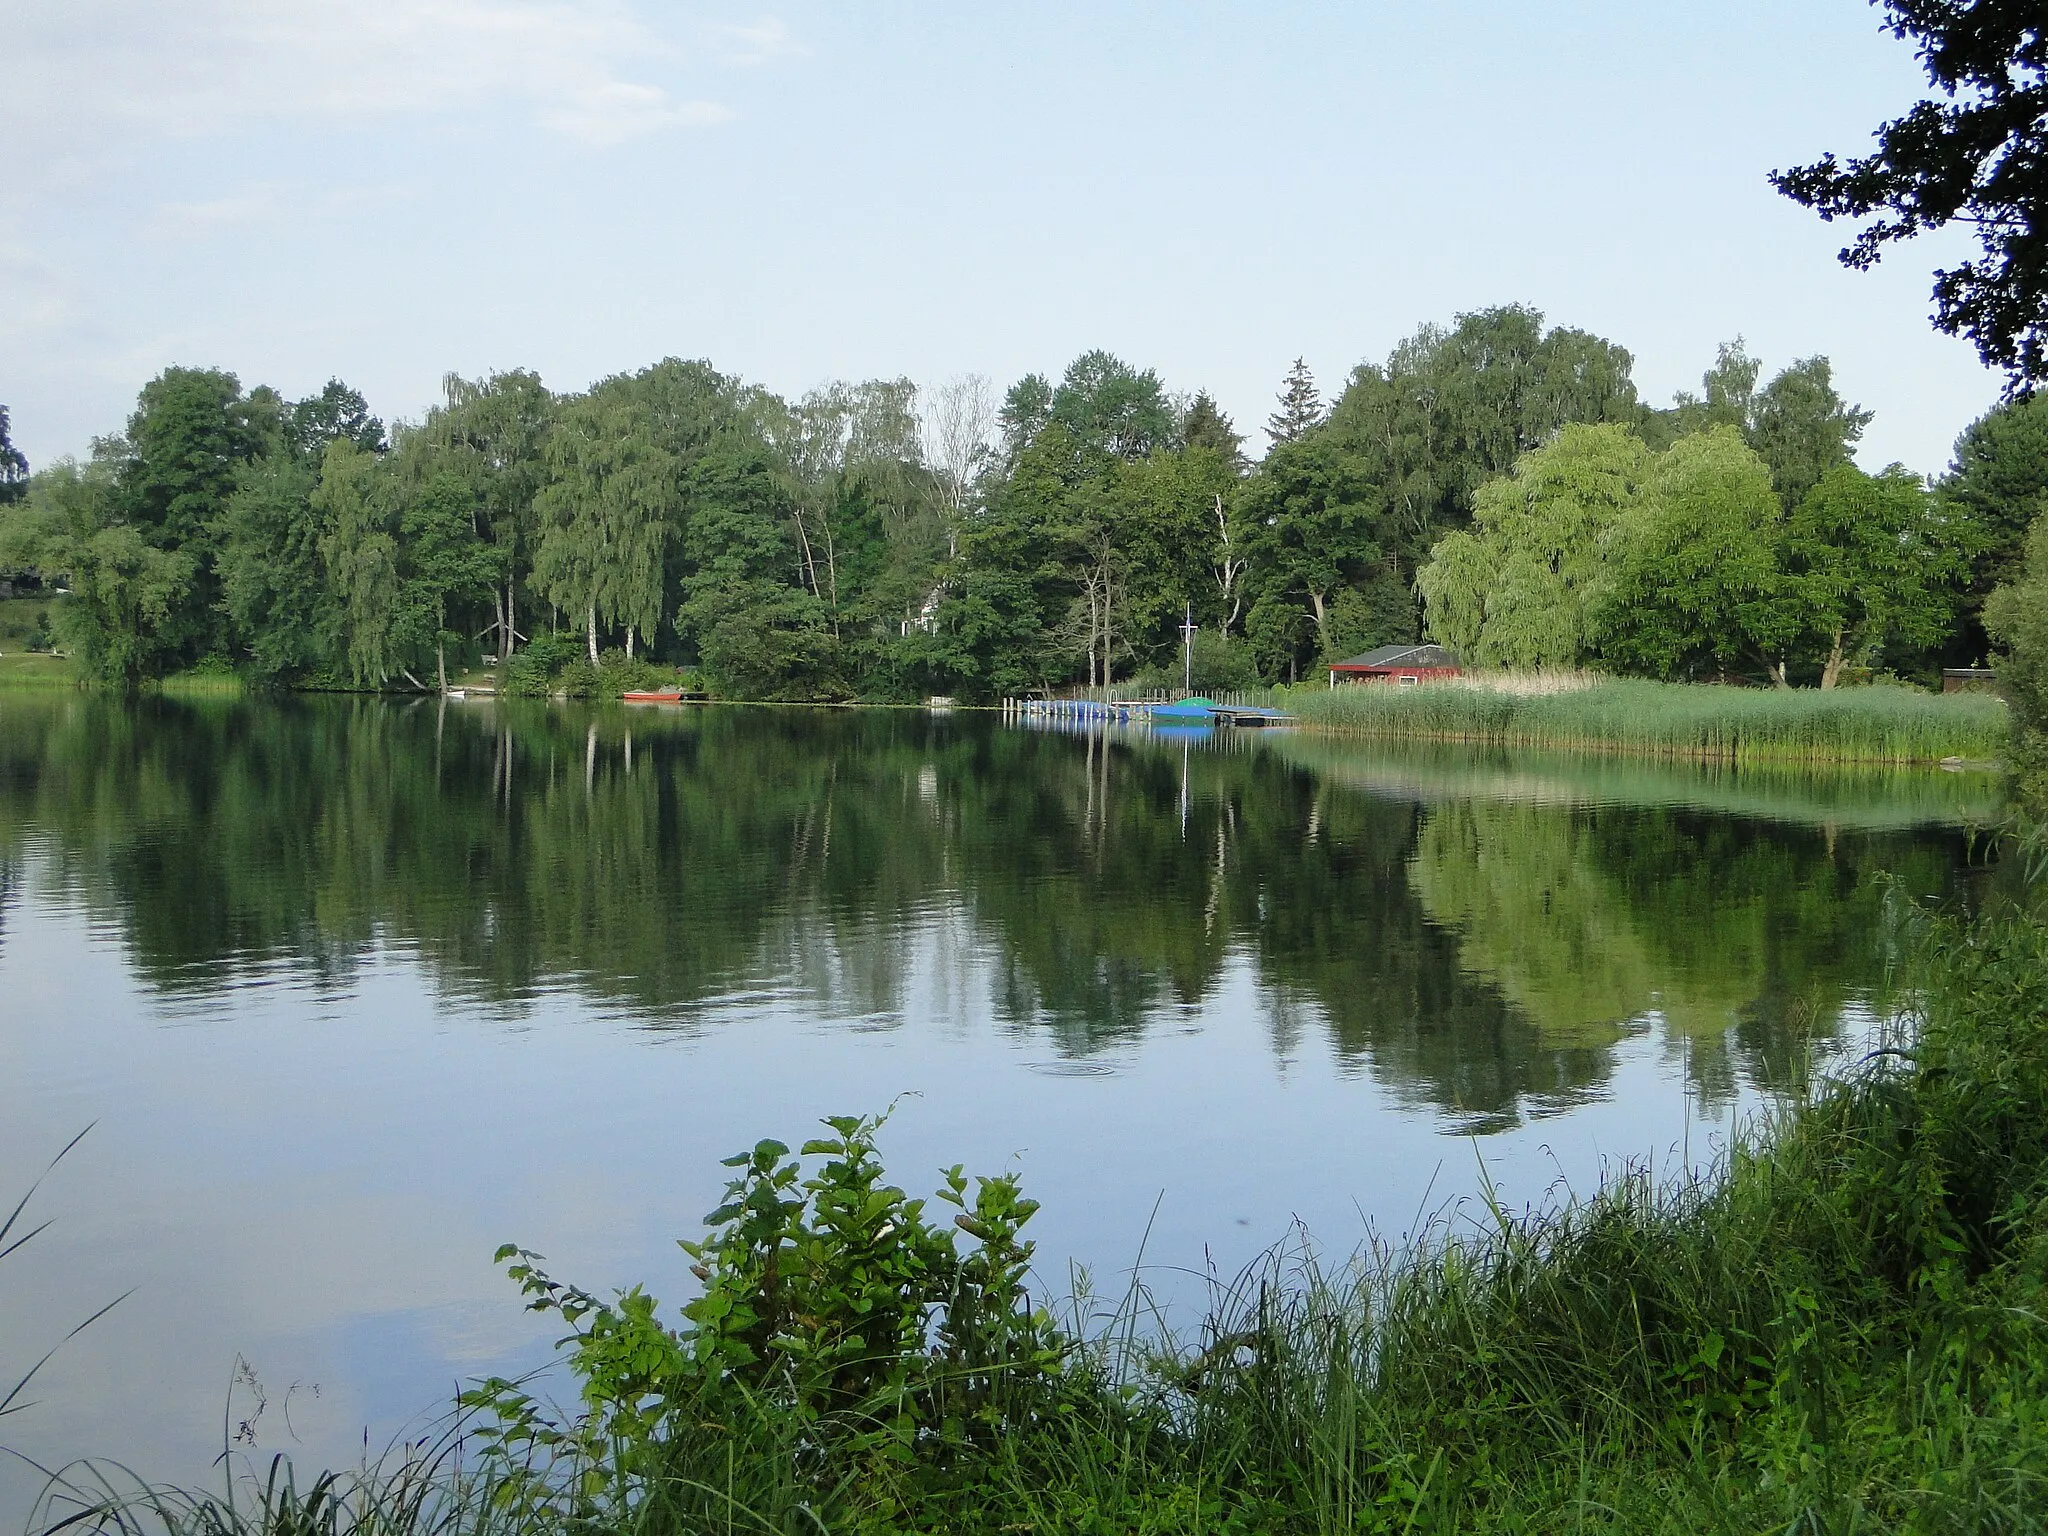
x: 652, y: 696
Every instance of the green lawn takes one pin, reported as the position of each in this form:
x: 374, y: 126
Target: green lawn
x: 23, y: 667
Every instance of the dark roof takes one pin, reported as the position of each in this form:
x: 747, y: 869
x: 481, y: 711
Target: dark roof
x: 1402, y: 656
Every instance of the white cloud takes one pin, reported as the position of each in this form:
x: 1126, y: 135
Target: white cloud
x: 92, y: 70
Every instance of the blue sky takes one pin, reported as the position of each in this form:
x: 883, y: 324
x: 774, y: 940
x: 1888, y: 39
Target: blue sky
x: 875, y: 188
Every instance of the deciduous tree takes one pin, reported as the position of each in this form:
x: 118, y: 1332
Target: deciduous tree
x: 1864, y: 564
x: 1695, y: 586
x: 1519, y: 589
x: 1977, y: 154
x: 122, y: 590
x: 1801, y: 428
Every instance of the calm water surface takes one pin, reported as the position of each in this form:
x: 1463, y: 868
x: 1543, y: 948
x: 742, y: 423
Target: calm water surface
x: 352, y: 992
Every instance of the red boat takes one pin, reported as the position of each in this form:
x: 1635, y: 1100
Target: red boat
x: 653, y: 696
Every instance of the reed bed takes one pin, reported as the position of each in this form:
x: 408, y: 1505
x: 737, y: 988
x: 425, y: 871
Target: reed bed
x: 1879, y: 724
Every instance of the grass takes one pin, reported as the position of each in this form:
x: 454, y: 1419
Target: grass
x: 21, y: 619
x: 26, y: 669
x: 1880, y: 724
x: 205, y: 681
x: 1842, y: 1329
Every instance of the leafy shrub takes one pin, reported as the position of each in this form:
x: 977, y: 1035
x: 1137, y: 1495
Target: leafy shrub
x: 832, y: 1303
x: 530, y: 673
x: 557, y: 664
x: 613, y: 673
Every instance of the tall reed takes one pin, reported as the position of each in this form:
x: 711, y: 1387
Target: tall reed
x: 1879, y: 724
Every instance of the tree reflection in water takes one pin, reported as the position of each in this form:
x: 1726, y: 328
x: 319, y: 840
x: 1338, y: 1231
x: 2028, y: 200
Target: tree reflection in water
x: 1477, y: 933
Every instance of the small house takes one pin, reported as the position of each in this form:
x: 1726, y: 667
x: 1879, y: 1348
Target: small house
x: 1402, y: 665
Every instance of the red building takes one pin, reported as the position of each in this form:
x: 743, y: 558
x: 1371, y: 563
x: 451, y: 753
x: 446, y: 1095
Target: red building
x: 1402, y: 665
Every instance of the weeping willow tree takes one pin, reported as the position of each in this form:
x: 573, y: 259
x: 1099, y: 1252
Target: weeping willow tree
x: 1518, y: 589
x: 356, y: 500
x: 606, y: 515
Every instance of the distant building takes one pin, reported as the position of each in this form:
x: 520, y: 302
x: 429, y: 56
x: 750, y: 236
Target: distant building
x: 1402, y: 665
x: 1969, y: 680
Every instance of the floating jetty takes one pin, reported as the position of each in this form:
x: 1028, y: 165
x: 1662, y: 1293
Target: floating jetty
x: 1193, y: 711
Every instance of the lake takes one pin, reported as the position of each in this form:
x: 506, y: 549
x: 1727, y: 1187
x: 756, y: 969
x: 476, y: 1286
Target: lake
x: 353, y: 991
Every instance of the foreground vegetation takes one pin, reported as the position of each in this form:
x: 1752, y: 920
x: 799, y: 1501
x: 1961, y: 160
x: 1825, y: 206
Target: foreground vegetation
x: 1840, y: 1330
x: 1877, y: 724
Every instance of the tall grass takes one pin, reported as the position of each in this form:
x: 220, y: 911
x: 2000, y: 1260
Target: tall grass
x: 1841, y: 1329
x: 1880, y: 724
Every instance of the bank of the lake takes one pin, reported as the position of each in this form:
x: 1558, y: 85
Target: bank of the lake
x: 1841, y: 1329
x: 1880, y: 724
x: 1876, y: 724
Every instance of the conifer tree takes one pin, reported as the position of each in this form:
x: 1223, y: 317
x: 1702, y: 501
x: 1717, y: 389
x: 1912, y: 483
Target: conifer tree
x: 1206, y: 426
x: 1301, y: 406
x: 13, y: 466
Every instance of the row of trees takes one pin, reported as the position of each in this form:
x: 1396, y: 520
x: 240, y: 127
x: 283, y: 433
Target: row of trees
x: 873, y: 540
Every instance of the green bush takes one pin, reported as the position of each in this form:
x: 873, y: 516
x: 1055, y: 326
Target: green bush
x: 530, y: 673
x: 558, y: 663
x: 834, y: 1310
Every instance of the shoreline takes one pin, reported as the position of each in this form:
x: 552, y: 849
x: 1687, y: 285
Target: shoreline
x: 1868, y: 726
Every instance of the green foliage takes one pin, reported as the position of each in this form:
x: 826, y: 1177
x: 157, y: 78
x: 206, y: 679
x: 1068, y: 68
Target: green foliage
x: 337, y: 411
x: 805, y: 550
x: 1206, y: 426
x: 1695, y: 583
x: 1972, y: 154
x: 1452, y: 409
x: 530, y: 674
x: 1110, y: 408
x: 613, y: 673
x: 124, y: 592
x: 1220, y: 663
x: 357, y: 500
x: 1301, y: 407
x: 2017, y: 617
x: 830, y: 1301
x: 1802, y: 429
x: 607, y: 513
x: 274, y: 585
x: 1866, y: 564
x: 1520, y: 588
x: 13, y: 465
x: 1993, y: 493
x: 1310, y: 530
x: 191, y: 432
x: 444, y: 564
